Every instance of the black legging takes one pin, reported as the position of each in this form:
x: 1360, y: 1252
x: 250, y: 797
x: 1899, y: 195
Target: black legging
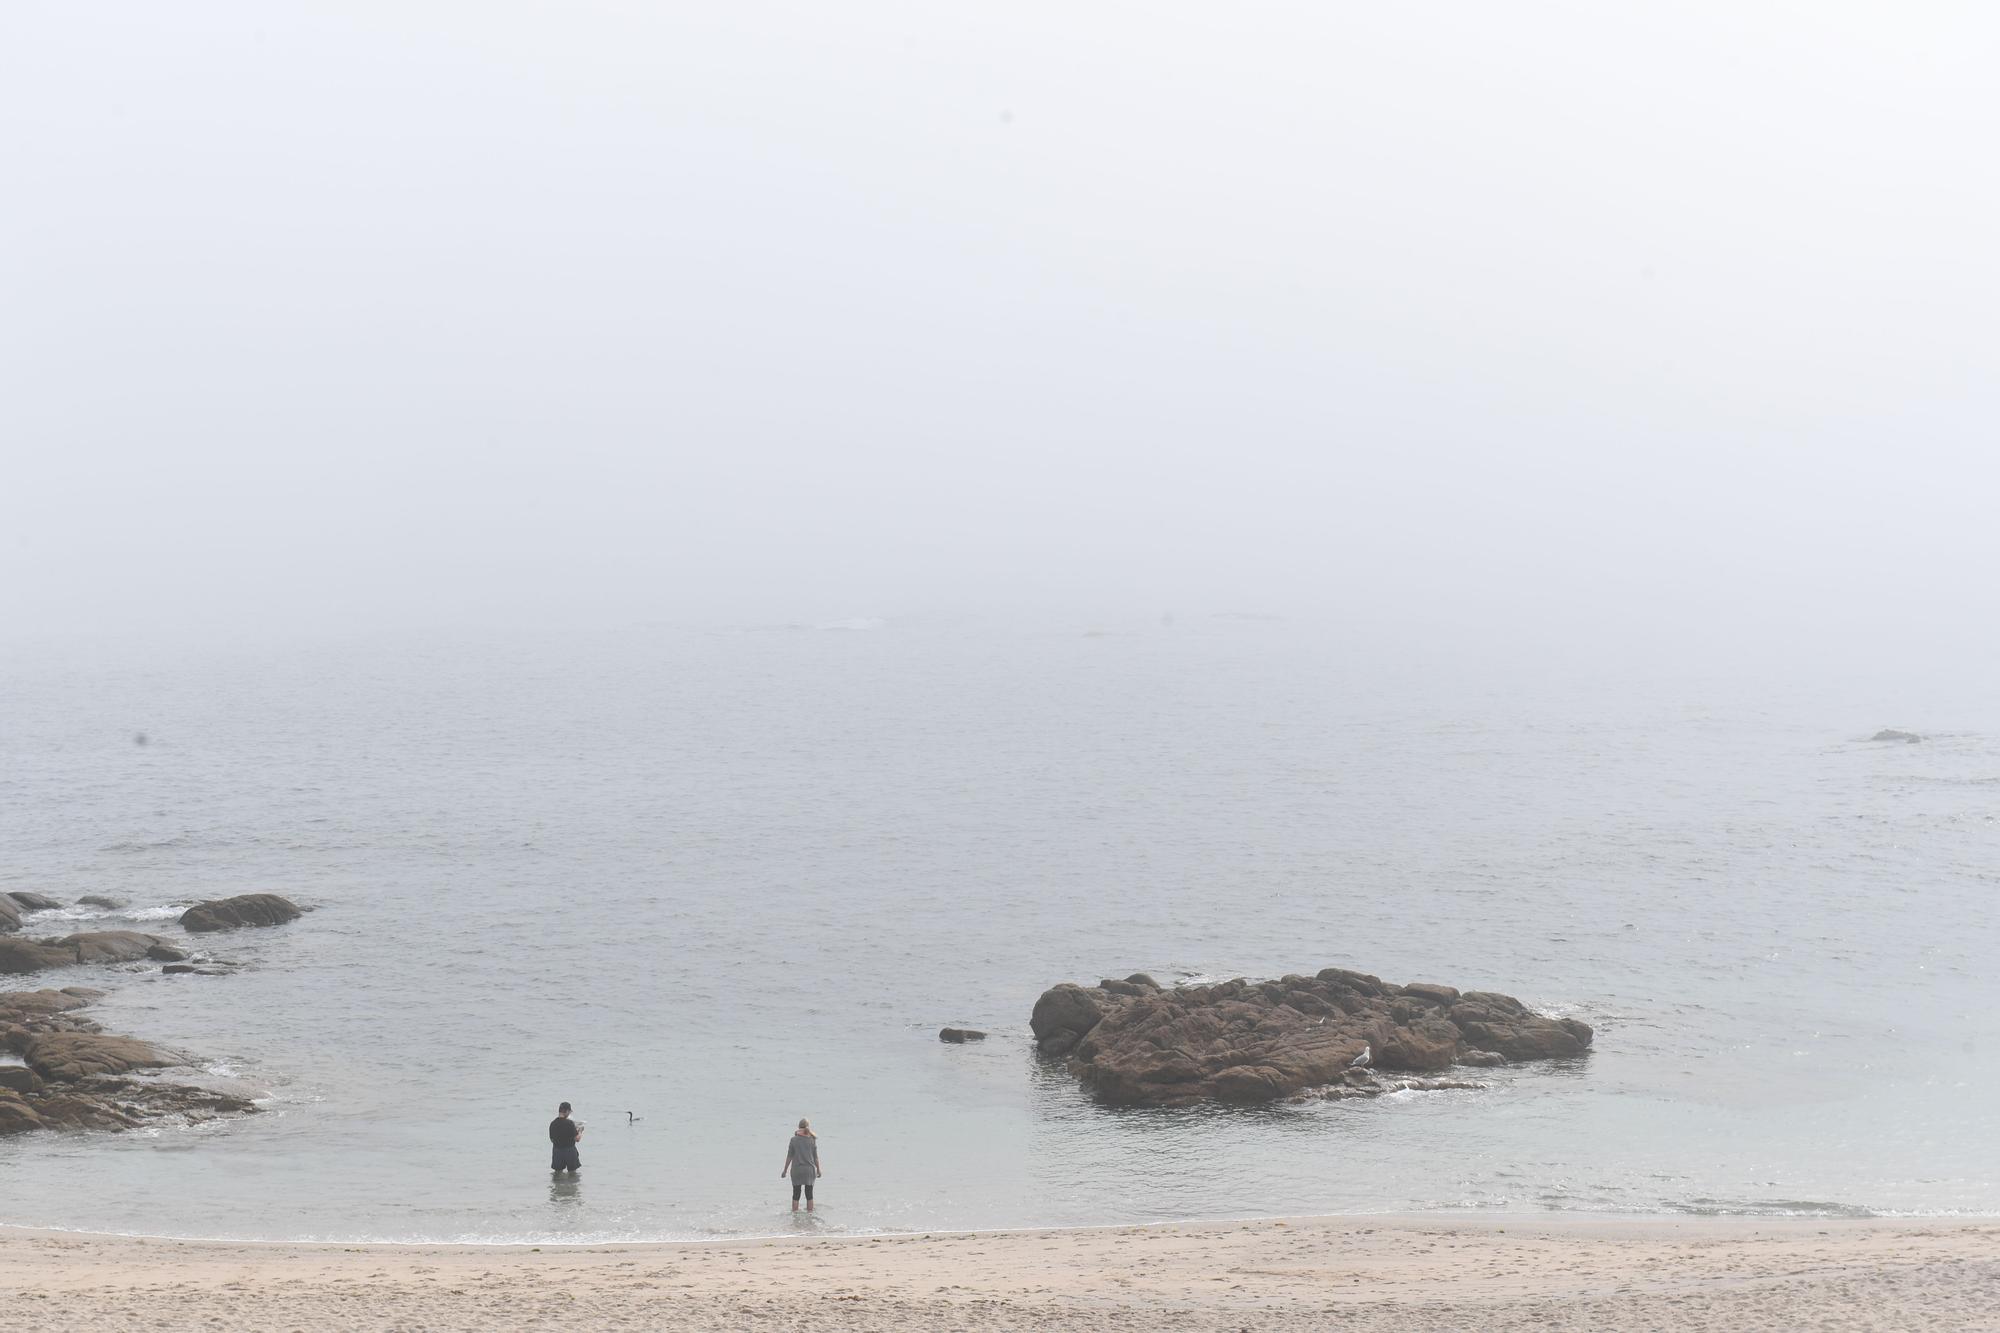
x: 800, y: 1186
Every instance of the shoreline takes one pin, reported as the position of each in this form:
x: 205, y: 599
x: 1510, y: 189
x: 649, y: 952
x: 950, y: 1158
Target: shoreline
x: 1364, y: 1272
x: 1442, y: 1217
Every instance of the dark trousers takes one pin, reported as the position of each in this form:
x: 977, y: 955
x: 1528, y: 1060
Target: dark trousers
x: 564, y: 1158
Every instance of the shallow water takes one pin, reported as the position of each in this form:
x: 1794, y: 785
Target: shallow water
x: 728, y: 878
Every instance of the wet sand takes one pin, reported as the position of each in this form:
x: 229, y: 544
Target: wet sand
x: 1308, y: 1273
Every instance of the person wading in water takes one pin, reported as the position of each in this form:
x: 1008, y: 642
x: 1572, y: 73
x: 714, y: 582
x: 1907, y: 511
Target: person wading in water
x: 802, y: 1160
x: 563, y: 1134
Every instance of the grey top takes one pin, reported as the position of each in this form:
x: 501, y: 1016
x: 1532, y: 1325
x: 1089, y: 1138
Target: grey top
x: 802, y: 1154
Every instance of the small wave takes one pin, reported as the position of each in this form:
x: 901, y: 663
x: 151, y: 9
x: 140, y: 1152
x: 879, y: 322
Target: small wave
x: 856, y: 623
x: 171, y: 912
x: 148, y: 845
x: 167, y: 912
x: 1704, y: 1207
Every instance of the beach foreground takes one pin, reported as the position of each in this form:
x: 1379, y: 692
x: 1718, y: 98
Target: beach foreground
x: 1310, y: 1273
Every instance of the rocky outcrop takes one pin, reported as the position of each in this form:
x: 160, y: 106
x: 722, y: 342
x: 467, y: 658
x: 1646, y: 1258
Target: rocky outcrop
x: 20, y: 956
x: 77, y: 1076
x: 248, y: 909
x: 1134, y: 1043
x: 67, y: 1057
x: 33, y: 902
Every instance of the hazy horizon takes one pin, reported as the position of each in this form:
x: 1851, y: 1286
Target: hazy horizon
x: 1667, y: 330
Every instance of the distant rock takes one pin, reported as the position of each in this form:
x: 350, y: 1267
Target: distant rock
x: 248, y: 909
x: 34, y: 902
x: 1891, y: 734
x: 166, y: 953
x: 99, y: 900
x: 1247, y: 1042
x: 20, y: 956
x: 959, y: 1035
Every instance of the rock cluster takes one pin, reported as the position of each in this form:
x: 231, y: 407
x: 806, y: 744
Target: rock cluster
x: 247, y: 909
x: 18, y: 956
x: 75, y: 1075
x: 13, y: 905
x: 1135, y: 1043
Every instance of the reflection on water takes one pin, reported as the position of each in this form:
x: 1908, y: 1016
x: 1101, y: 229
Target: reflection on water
x: 565, y: 1190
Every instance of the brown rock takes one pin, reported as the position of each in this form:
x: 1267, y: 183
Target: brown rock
x: 33, y: 902
x: 65, y: 1057
x: 18, y: 1006
x: 1247, y: 1042
x: 19, y: 1078
x: 16, y: 1116
x: 1064, y: 1014
x: 68, y: 1109
x: 1530, y: 1037
x: 166, y: 953
x: 248, y: 909
x: 111, y: 946
x: 1427, y: 1044
x: 74, y: 1076
x: 19, y: 957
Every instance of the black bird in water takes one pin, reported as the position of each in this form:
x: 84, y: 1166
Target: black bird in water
x: 631, y: 1119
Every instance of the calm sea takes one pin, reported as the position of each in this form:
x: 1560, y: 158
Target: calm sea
x: 726, y: 878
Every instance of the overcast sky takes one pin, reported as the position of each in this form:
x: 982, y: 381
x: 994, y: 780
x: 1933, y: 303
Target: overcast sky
x: 1659, y: 317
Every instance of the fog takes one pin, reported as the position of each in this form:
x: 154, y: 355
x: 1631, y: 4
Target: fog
x: 1663, y: 324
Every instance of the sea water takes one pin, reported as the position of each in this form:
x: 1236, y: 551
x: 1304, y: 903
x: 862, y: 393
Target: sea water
x: 721, y: 878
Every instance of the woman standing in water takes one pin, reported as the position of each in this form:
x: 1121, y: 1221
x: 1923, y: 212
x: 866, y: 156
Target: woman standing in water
x: 802, y: 1161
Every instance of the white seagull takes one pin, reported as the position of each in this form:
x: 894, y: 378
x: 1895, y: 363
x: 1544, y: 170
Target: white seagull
x: 1363, y: 1060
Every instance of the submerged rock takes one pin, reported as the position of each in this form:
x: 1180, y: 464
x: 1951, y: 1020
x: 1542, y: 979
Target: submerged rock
x: 247, y: 909
x: 957, y: 1035
x: 99, y: 900
x: 1247, y: 1042
x: 1891, y: 734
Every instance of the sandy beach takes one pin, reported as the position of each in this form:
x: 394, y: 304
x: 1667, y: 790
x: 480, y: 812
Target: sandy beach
x: 1309, y: 1273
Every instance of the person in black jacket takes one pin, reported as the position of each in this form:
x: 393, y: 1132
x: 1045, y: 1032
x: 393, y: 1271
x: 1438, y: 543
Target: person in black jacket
x: 563, y: 1134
